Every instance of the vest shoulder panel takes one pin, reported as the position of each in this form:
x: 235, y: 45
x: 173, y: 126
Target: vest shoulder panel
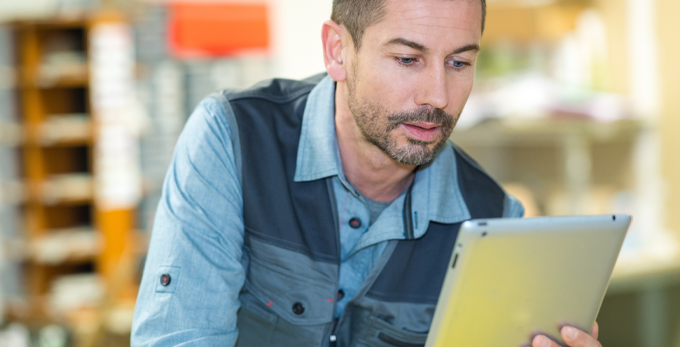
x: 276, y: 209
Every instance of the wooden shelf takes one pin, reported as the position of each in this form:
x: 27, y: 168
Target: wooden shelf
x: 636, y: 273
x: 54, y: 23
x: 14, y: 249
x: 70, y: 240
x: 66, y: 189
x: 65, y: 76
x: 560, y: 166
x: 8, y: 78
x: 64, y: 130
x: 12, y: 192
x: 544, y: 130
x: 70, y: 246
x: 515, y: 21
x: 11, y: 134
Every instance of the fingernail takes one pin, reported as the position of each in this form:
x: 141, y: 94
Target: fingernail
x: 541, y: 341
x: 571, y: 333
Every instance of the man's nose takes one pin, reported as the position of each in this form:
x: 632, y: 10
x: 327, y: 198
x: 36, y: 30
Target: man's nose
x: 433, y: 89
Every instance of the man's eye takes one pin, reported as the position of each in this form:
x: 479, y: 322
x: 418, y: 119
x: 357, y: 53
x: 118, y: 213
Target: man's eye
x: 406, y: 61
x: 458, y: 64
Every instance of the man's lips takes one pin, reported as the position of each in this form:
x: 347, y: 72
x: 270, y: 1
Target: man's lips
x: 424, y: 125
x: 422, y: 131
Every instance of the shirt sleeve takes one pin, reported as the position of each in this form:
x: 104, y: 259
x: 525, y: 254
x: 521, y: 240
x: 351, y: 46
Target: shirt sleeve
x: 193, y: 272
x: 516, y: 209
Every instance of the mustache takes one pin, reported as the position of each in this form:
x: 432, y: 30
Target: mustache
x: 435, y: 115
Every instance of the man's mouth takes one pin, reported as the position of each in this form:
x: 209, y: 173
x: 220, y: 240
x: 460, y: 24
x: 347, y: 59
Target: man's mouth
x: 423, y: 131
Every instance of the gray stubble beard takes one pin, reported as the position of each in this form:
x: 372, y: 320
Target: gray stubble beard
x: 367, y: 116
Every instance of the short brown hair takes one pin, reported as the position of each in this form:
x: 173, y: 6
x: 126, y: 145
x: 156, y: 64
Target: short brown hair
x: 357, y: 15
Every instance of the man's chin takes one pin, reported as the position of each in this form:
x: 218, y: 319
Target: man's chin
x: 414, y: 154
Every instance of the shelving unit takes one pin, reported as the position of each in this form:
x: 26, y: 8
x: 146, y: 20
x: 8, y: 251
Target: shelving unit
x: 570, y: 164
x: 46, y: 93
x: 556, y: 156
x: 72, y: 243
x: 10, y: 189
x: 171, y: 88
x: 526, y: 22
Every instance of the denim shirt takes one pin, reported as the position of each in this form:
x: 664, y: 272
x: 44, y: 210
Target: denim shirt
x: 197, y: 236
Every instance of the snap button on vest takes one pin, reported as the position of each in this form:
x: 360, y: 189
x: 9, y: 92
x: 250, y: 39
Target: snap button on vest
x: 298, y: 309
x: 341, y: 294
x: 165, y: 280
x: 355, y: 223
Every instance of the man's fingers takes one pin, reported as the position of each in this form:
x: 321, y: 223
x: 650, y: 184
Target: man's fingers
x: 542, y: 341
x: 577, y: 338
x: 572, y: 337
x: 596, y: 331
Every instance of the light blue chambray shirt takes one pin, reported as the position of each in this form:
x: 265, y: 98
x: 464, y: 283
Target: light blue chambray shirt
x: 197, y: 236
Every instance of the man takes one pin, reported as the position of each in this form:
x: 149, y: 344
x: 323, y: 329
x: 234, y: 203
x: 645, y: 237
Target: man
x: 323, y: 212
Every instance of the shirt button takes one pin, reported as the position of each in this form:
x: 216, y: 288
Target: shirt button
x: 355, y: 223
x: 298, y: 309
x: 341, y: 294
x: 165, y: 280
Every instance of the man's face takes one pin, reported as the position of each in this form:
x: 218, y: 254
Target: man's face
x: 410, y: 80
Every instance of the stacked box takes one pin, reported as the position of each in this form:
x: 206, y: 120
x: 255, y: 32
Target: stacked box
x: 9, y: 212
x: 171, y: 89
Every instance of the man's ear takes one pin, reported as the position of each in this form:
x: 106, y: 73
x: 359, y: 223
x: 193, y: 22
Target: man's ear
x: 333, y: 45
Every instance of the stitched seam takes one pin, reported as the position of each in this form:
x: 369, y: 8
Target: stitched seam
x: 290, y: 246
x: 317, y: 175
x: 282, y: 100
x: 413, y: 299
x: 344, y: 206
x: 475, y: 165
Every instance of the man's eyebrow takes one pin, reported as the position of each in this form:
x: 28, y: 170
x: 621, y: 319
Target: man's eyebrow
x: 409, y: 43
x: 419, y: 47
x: 466, y: 48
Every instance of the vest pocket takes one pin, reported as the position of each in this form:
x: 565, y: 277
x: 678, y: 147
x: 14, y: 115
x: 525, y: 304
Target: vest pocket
x: 382, y: 334
x: 292, y: 296
x: 282, y: 306
x: 254, y: 323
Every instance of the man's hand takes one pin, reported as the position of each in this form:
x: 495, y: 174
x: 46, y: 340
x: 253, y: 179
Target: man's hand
x: 572, y: 337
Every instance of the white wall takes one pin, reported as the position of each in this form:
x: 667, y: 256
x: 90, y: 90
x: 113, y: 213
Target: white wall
x: 295, y: 29
x: 19, y: 9
x: 296, y: 36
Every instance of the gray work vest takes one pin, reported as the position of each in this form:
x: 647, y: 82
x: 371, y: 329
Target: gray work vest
x: 292, y: 249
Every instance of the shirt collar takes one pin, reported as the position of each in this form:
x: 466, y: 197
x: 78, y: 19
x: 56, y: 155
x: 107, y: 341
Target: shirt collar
x: 436, y: 195
x: 318, y: 155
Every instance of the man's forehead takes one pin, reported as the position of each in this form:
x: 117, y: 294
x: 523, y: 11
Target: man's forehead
x: 426, y: 16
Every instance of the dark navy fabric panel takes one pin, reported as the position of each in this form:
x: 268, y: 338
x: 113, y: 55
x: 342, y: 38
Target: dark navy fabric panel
x: 278, y: 90
x: 416, y: 270
x: 483, y: 196
x: 276, y: 209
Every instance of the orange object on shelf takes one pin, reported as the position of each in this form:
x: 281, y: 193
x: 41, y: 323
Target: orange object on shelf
x: 216, y: 29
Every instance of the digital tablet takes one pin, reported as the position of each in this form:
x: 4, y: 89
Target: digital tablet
x: 511, y: 279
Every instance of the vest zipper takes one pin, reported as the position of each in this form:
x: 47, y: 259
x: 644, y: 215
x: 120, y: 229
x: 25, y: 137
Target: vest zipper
x: 336, y: 220
x: 408, y: 230
x: 333, y: 338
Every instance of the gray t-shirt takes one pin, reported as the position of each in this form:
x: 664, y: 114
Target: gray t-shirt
x: 374, y: 207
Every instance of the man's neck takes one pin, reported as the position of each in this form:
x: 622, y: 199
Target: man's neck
x: 373, y: 172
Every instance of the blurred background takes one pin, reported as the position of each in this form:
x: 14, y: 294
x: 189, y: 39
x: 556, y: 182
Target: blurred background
x: 575, y: 111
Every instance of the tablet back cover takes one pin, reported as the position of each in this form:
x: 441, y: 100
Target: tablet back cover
x: 515, y: 278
